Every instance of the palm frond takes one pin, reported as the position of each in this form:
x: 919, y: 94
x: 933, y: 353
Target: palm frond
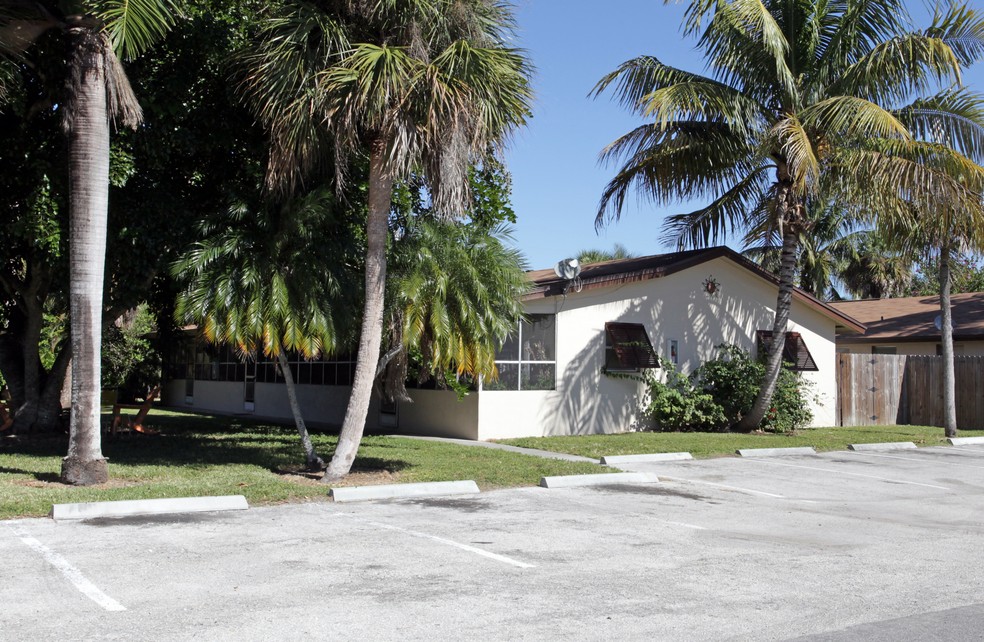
x: 895, y: 69
x: 682, y: 161
x: 962, y: 29
x: 727, y: 215
x: 134, y: 25
x: 954, y: 117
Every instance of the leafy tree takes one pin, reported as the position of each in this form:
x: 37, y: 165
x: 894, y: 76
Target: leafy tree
x: 797, y: 112
x: 491, y: 188
x: 419, y: 86
x: 966, y: 275
x: 271, y: 278
x: 34, y: 261
x: 90, y: 36
x: 128, y: 359
x: 196, y: 145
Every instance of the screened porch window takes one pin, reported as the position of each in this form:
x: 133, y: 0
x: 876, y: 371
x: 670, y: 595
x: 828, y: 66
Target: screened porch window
x: 794, y: 351
x: 528, y: 358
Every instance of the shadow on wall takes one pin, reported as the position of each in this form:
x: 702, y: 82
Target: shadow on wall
x: 592, y: 402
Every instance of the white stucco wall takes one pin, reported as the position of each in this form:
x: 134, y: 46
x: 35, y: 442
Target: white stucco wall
x: 672, y: 307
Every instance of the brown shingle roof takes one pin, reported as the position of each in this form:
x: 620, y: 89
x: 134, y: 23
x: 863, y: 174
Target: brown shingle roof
x: 913, y: 318
x: 594, y: 275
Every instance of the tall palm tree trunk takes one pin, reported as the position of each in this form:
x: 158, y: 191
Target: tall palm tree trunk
x: 946, y: 339
x: 773, y: 363
x: 89, y: 198
x: 310, y: 456
x: 377, y: 226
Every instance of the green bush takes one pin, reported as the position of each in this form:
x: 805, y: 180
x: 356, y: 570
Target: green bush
x: 677, y: 405
x: 733, y: 380
x: 720, y: 392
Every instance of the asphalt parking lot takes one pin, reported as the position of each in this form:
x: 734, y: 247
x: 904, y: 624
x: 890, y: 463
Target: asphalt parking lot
x: 837, y: 546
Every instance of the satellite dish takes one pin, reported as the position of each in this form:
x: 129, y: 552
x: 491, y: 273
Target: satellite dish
x: 938, y: 322
x: 568, y: 269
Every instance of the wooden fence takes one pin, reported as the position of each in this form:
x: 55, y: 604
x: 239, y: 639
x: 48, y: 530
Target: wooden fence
x: 882, y: 389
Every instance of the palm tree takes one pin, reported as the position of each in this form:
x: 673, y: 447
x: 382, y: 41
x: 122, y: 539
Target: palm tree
x: 618, y: 251
x: 797, y: 91
x: 267, y: 278
x: 93, y: 33
x: 835, y: 254
x: 874, y: 269
x: 457, y: 293
x: 411, y: 85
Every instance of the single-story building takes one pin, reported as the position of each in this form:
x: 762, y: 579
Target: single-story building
x: 910, y: 325
x: 618, y: 315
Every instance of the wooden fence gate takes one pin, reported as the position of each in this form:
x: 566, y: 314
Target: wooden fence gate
x: 888, y: 389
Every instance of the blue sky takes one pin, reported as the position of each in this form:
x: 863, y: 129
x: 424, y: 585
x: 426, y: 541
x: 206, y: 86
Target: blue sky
x: 557, y: 179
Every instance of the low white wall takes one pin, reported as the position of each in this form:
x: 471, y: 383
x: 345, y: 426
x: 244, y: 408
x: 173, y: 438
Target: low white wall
x: 565, y: 411
x: 319, y: 404
x: 225, y: 397
x: 438, y: 413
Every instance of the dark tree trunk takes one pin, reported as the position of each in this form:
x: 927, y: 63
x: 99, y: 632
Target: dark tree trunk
x: 12, y: 367
x: 50, y: 406
x: 377, y: 228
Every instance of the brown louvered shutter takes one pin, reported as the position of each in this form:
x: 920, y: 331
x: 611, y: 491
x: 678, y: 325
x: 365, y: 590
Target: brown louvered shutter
x: 632, y: 346
x: 794, y: 350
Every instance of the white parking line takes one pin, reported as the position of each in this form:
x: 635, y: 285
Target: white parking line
x: 71, y: 573
x: 841, y: 472
x: 919, y: 459
x: 442, y: 540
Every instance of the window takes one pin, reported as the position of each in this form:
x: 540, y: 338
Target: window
x: 528, y: 358
x: 794, y: 350
x: 225, y: 363
x: 884, y: 350
x: 627, y: 347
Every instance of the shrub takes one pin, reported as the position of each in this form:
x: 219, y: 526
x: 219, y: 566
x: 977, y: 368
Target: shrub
x: 733, y: 379
x: 677, y: 405
x: 720, y: 392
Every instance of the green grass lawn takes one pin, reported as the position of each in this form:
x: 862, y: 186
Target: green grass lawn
x: 196, y: 455
x: 709, y: 444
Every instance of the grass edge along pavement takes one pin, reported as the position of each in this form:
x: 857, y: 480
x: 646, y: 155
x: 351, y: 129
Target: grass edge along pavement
x: 719, y: 444
x: 196, y: 455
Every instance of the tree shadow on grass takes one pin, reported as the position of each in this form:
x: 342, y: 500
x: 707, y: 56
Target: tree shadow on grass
x: 196, y: 441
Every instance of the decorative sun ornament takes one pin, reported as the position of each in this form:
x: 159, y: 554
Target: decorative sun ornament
x: 711, y: 286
